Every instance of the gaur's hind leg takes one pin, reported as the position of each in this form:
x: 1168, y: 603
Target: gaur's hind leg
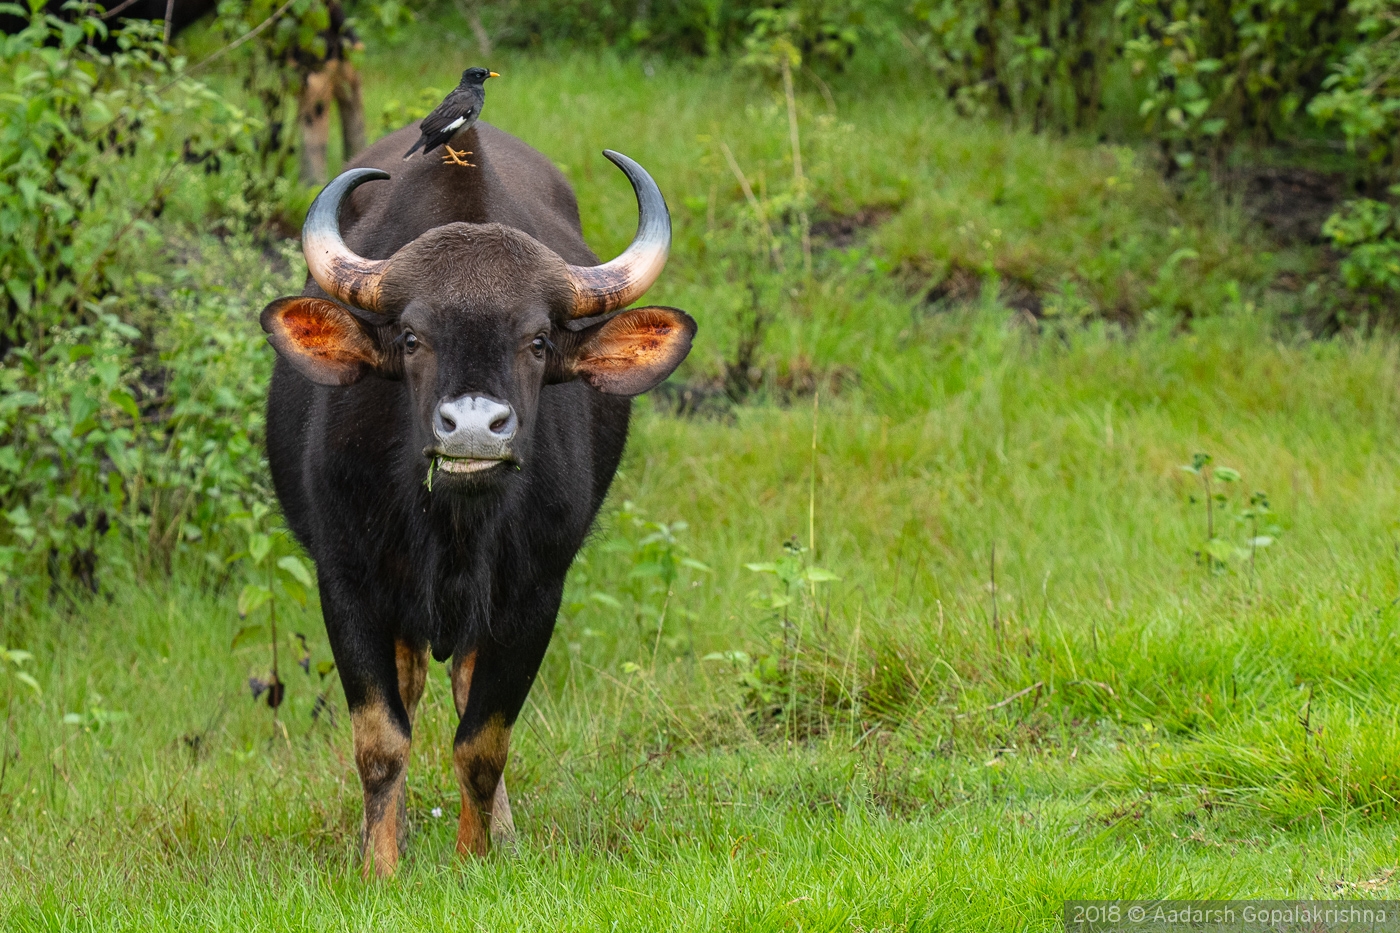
x: 489, y: 686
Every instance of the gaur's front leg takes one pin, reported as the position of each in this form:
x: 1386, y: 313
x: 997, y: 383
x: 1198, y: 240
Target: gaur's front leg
x: 489, y: 685
x: 412, y: 664
x: 383, y: 681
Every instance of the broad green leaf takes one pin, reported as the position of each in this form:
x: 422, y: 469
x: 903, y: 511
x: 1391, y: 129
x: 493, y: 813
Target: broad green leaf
x: 648, y: 569
x: 123, y: 400
x: 253, y: 597
x: 1220, y: 549
x: 734, y: 657
x: 297, y: 568
x: 258, y: 546
x: 246, y: 634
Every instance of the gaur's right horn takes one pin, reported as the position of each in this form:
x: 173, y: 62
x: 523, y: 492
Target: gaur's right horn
x: 616, y: 284
x: 344, y: 275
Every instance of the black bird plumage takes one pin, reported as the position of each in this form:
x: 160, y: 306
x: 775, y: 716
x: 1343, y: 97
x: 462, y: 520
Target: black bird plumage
x: 457, y: 112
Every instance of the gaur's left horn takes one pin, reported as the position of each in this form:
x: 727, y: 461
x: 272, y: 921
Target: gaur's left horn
x: 344, y: 275
x: 616, y: 284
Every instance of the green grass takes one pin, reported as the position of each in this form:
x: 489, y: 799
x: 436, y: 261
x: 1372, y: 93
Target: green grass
x: 1163, y: 753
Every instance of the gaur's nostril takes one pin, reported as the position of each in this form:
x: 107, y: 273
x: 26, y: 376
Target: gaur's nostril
x: 499, y: 425
x: 448, y: 424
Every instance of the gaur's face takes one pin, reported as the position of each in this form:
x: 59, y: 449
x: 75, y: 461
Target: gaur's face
x: 474, y: 375
x: 477, y: 337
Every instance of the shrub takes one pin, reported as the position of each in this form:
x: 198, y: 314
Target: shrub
x: 1205, y: 73
x: 87, y: 153
x: 1366, y: 233
x: 1220, y: 71
x: 1362, y: 94
x: 828, y: 30
x: 92, y: 145
x: 1042, y: 61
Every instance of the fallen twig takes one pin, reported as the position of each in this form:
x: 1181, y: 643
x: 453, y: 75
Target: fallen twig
x: 1092, y: 683
x: 1035, y: 687
x: 1016, y: 696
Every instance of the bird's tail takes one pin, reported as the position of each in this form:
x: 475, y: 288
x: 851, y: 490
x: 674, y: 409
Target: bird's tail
x: 407, y: 155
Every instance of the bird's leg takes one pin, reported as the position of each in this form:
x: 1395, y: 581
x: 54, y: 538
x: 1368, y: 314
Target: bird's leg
x: 456, y: 157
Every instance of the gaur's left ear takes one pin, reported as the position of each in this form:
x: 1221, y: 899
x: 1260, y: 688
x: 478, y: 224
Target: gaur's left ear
x: 322, y: 340
x: 630, y: 352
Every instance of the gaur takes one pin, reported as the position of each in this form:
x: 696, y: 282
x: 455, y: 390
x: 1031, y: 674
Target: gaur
x: 448, y: 408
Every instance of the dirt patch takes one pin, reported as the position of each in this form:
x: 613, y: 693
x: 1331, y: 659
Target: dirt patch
x: 960, y: 286
x: 784, y: 383
x: 964, y: 286
x: 1291, y: 203
x: 1023, y: 297
x: 841, y: 231
x: 801, y: 377
x: 697, y: 398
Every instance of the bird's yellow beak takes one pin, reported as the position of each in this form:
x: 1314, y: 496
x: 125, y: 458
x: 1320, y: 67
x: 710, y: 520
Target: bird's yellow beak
x: 494, y: 75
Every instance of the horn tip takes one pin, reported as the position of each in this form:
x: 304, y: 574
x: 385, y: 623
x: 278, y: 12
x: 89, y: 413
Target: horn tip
x: 366, y: 174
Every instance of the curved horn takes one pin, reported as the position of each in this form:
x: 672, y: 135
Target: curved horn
x: 345, y: 276
x: 616, y: 284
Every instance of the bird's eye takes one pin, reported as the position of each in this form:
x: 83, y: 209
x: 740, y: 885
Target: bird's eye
x: 538, y: 345
x: 410, y: 342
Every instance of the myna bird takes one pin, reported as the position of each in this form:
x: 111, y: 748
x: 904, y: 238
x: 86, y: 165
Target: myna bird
x: 456, y: 114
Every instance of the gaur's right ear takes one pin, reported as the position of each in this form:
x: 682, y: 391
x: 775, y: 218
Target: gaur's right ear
x: 322, y: 340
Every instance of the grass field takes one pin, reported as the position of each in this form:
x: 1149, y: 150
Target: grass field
x: 1029, y: 682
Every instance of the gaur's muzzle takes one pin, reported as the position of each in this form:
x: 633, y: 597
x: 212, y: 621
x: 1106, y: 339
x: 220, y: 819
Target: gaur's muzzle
x: 473, y: 433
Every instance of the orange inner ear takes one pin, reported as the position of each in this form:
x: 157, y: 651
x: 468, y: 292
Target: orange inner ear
x: 325, y: 330
x: 320, y: 338
x: 636, y: 350
x: 634, y: 338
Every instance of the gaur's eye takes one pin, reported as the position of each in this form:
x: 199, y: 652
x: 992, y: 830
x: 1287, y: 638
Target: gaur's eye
x: 539, y: 345
x: 410, y: 341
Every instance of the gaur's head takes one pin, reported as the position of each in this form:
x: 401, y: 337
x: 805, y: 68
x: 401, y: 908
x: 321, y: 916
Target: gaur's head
x: 476, y: 320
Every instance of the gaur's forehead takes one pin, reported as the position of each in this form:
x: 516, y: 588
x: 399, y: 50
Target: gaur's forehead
x: 467, y: 314
x: 478, y: 269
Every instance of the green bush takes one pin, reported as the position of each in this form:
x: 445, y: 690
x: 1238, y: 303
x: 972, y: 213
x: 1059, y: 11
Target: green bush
x: 828, y: 30
x: 1042, y: 61
x: 88, y: 144
x: 1368, y: 235
x: 1222, y: 70
x: 695, y: 27
x: 1203, y: 73
x: 1362, y: 95
x: 97, y: 426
